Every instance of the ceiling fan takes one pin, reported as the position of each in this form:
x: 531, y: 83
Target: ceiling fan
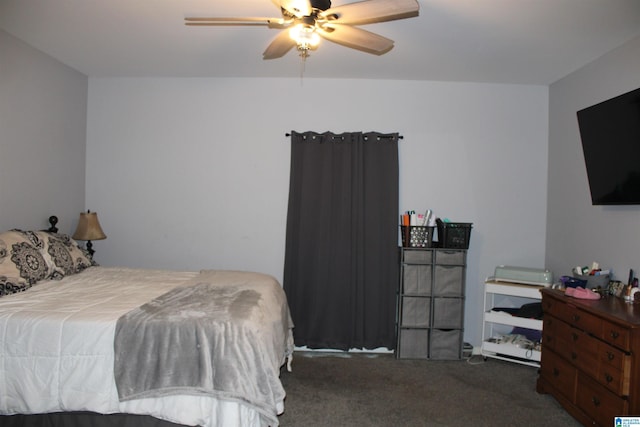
x: 306, y: 21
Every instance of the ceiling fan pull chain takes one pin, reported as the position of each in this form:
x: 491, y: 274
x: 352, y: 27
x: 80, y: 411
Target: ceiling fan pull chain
x: 303, y: 63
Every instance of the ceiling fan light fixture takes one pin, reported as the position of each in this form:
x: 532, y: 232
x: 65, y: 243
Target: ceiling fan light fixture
x: 305, y: 22
x: 305, y: 36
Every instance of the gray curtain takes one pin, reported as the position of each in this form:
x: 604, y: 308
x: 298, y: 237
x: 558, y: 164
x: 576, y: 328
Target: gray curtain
x: 341, y: 257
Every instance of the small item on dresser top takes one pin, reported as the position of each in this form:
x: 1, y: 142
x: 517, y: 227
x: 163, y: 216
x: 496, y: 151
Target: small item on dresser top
x: 581, y: 293
x: 632, y: 294
x: 572, y: 282
x: 594, y: 276
x: 600, y: 281
x: 617, y: 288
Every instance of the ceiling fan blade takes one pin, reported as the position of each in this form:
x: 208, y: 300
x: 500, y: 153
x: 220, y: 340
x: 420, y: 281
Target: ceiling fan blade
x: 279, y: 46
x: 298, y: 8
x: 235, y: 21
x: 371, y: 11
x: 356, y: 38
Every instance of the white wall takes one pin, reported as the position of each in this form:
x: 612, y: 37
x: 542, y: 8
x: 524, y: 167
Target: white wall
x: 194, y: 173
x: 43, y: 107
x: 577, y: 232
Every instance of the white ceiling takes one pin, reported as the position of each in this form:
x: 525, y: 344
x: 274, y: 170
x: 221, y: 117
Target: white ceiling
x: 501, y: 41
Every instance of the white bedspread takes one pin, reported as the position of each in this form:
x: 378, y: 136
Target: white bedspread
x: 57, y: 349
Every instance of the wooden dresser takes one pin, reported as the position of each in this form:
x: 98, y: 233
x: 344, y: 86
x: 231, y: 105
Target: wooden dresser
x: 591, y: 356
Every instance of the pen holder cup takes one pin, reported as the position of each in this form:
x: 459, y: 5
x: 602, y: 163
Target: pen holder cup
x: 416, y: 236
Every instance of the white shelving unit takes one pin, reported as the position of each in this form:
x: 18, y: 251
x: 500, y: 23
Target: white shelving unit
x: 494, y: 321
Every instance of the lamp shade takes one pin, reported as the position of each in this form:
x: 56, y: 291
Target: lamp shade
x: 89, y: 227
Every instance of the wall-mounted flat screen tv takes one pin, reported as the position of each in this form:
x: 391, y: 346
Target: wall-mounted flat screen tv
x: 610, y: 133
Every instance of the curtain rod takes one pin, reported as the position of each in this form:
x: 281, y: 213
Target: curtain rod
x: 399, y: 136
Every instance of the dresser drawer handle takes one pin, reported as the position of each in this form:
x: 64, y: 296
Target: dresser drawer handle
x: 595, y: 401
x: 575, y: 317
x: 608, y: 378
x: 556, y: 372
x: 574, y: 336
x: 610, y: 356
x: 615, y: 334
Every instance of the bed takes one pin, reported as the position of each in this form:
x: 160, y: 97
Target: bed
x: 188, y: 348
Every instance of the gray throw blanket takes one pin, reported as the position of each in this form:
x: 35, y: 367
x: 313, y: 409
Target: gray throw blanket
x: 225, y: 335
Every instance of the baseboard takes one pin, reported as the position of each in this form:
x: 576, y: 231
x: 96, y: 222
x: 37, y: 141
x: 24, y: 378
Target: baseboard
x: 379, y: 350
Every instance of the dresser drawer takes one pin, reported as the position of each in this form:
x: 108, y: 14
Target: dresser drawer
x: 614, y: 368
x: 596, y: 343
x: 606, y: 364
x: 585, y: 321
x: 616, y: 335
x: 557, y: 371
x: 598, y: 403
x: 549, y: 332
x: 574, y: 345
x: 572, y: 315
x: 583, y: 350
x: 552, y: 306
x: 613, y: 379
x: 557, y: 308
x: 558, y: 330
x: 608, y: 331
x: 611, y: 356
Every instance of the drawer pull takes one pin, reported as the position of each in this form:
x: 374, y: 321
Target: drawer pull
x: 610, y: 356
x: 575, y: 317
x: 556, y: 372
x: 595, y: 401
x: 615, y: 334
x: 574, y: 336
x: 574, y: 356
x: 608, y: 378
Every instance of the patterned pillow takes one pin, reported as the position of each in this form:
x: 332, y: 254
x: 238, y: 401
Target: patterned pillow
x: 21, y: 257
x: 67, y: 257
x: 10, y: 285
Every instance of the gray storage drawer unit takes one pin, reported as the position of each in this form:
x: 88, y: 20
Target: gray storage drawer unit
x: 430, y: 316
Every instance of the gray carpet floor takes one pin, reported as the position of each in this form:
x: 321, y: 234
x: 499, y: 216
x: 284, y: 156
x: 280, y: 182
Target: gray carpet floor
x: 357, y: 389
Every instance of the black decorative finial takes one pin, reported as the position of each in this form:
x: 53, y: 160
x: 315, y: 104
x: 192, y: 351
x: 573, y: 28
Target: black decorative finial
x: 53, y: 220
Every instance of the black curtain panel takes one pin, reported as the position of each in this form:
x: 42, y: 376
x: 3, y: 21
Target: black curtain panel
x: 341, y: 258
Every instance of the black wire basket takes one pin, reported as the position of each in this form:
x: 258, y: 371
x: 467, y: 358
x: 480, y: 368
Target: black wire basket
x: 416, y: 236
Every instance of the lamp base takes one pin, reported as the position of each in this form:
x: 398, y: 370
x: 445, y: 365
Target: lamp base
x: 90, y: 248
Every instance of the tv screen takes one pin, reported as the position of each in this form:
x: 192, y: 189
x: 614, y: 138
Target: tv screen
x: 610, y: 133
